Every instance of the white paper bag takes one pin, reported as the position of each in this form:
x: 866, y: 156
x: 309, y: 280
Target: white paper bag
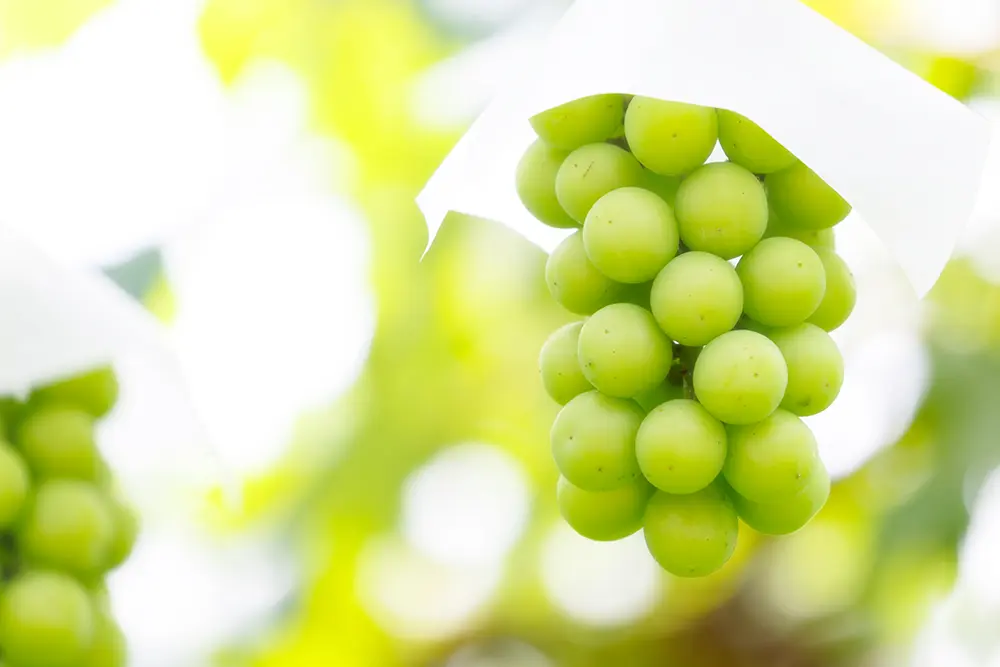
x: 907, y: 156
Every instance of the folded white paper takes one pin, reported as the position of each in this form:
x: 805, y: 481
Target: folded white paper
x: 907, y: 156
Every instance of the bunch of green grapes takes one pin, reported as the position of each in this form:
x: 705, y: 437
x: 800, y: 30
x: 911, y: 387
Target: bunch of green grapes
x: 63, y: 527
x: 684, y: 385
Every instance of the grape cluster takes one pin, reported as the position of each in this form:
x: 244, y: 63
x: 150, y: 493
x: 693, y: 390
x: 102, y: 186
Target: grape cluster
x: 63, y: 526
x: 708, y: 291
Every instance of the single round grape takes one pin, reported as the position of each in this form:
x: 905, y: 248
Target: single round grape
x: 603, y: 516
x: 802, y: 199
x: 58, y: 441
x: 575, y: 282
x: 783, y: 282
x: 771, y: 460
x: 593, y: 441
x: 691, y: 535
x: 583, y: 121
x: 680, y: 447
x: 95, y: 392
x: 815, y: 368
x: 696, y: 298
x: 68, y: 526
x: 840, y: 296
x: 740, y: 377
x: 665, y: 186
x: 630, y: 234
x: 787, y: 515
x: 536, y: 184
x: 15, y: 481
x: 660, y: 394
x: 670, y: 138
x: 592, y: 171
x: 749, y: 146
x: 126, y: 530
x: 46, y: 620
x: 622, y: 351
x: 108, y: 649
x: 814, y: 238
x: 560, y: 366
x: 721, y: 208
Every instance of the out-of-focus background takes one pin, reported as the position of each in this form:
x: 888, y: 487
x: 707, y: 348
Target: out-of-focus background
x: 246, y: 169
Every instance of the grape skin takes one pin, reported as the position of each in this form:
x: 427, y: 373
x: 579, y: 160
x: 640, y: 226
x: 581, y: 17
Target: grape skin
x: 771, y: 460
x: 802, y: 199
x: 604, y: 516
x: 46, y: 620
x: 593, y: 441
x: 740, y: 377
x: 660, y: 394
x: 592, y: 171
x: 574, y: 282
x: 814, y: 238
x: 680, y: 447
x: 815, y: 368
x: 786, y: 516
x: 840, y: 295
x: 783, y: 282
x: 670, y: 138
x: 721, y: 208
x: 587, y: 120
x: 58, y: 441
x: 623, y: 352
x: 749, y: 146
x: 536, y: 184
x: 696, y: 298
x: 95, y: 392
x: 559, y: 364
x: 14, y: 484
x: 630, y: 234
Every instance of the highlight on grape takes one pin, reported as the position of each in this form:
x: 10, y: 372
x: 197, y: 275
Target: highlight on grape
x: 707, y: 291
x: 63, y: 527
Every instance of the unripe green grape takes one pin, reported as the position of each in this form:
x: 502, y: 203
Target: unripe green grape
x: 109, y: 648
x: 58, y: 441
x: 670, y: 138
x: 536, y: 184
x: 746, y: 324
x: 785, y: 516
x: 691, y: 535
x: 637, y: 295
x: 783, y: 282
x: 603, y: 516
x: 94, y: 392
x: 560, y: 366
x: 583, y: 121
x: 802, y: 199
x: 15, y: 481
x: 749, y: 146
x: 593, y: 441
x: 630, y: 234
x: 814, y: 238
x: 772, y: 459
x: 680, y: 447
x: 840, y: 296
x: 660, y: 394
x: 46, y: 620
x: 815, y: 368
x: 622, y: 351
x: 592, y: 171
x: 696, y: 298
x: 126, y: 530
x: 68, y: 526
x: 721, y: 208
x: 665, y: 186
x: 575, y: 282
x: 740, y: 377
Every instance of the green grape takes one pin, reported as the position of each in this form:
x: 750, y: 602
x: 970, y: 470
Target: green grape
x: 592, y: 171
x: 691, y: 535
x: 46, y: 620
x: 536, y: 184
x: 787, y: 515
x: 58, y: 441
x: 660, y: 394
x: 802, y: 199
x: 630, y: 234
x: 670, y: 138
x: 783, y: 282
x: 740, y: 377
x: 749, y: 146
x: 721, y: 208
x: 560, y: 366
x: 583, y: 121
x: 746, y: 324
x: 593, y: 441
x: 814, y: 238
x: 772, y: 459
x: 108, y: 649
x: 637, y: 295
x: 603, y: 516
x: 665, y: 186
x: 815, y: 368
x: 68, y: 526
x: 680, y: 447
x: 126, y: 530
x: 15, y: 481
x: 622, y: 351
x: 575, y: 282
x: 840, y: 296
x: 696, y: 298
x: 95, y: 392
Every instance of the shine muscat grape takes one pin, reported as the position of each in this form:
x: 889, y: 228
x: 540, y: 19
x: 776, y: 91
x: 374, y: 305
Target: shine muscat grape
x: 63, y: 527
x: 682, y: 389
